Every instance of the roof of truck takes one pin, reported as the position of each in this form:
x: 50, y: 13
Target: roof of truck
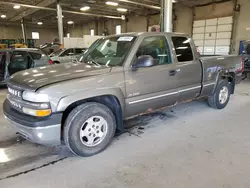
x: 147, y: 34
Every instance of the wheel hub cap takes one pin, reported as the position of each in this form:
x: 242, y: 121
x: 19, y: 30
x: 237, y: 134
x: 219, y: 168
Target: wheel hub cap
x: 93, y: 131
x: 223, y: 95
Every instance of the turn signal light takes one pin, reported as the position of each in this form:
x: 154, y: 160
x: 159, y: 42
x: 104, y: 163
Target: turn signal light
x: 42, y: 113
x: 37, y: 113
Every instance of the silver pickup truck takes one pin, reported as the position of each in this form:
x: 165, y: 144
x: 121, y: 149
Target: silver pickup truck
x: 83, y: 104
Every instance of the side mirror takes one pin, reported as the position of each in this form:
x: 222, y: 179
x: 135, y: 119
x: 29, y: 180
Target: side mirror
x: 143, y: 61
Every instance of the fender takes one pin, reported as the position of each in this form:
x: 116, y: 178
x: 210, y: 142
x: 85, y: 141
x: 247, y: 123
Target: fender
x: 68, y: 100
x: 227, y: 74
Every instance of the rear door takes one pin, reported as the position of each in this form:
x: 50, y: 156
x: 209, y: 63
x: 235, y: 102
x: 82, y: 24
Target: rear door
x: 153, y: 87
x: 189, y: 70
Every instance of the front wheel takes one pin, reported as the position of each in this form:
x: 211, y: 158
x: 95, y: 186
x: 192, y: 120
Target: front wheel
x: 221, y: 97
x: 89, y: 129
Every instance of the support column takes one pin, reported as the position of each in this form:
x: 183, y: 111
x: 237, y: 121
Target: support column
x: 23, y: 31
x: 168, y: 11
x: 60, y: 23
x: 162, y: 16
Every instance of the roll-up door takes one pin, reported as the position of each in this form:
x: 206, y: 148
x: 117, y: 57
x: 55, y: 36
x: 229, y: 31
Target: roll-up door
x: 213, y: 36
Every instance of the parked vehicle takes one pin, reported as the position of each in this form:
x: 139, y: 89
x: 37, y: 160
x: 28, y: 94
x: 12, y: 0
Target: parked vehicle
x: 83, y: 104
x: 66, y: 55
x: 246, y: 58
x: 12, y: 61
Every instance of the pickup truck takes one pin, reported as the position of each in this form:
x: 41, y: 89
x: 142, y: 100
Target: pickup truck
x: 83, y: 104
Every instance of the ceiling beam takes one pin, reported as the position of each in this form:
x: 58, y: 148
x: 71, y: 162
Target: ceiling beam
x: 44, y: 3
x: 67, y: 11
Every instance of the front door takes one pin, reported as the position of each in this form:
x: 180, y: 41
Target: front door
x: 153, y: 87
x: 189, y: 70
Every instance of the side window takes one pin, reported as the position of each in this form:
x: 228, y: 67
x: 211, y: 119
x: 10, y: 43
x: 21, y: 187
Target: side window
x: 35, y: 56
x: 183, y: 49
x: 157, y: 47
x: 79, y: 51
x: 19, y: 61
x: 67, y: 52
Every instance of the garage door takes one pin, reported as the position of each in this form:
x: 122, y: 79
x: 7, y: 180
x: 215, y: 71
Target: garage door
x: 213, y: 36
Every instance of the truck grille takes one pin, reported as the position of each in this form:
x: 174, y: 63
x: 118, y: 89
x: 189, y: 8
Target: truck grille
x: 15, y: 97
x: 15, y: 92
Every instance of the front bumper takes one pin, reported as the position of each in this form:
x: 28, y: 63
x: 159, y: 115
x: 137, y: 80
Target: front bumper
x: 45, y: 131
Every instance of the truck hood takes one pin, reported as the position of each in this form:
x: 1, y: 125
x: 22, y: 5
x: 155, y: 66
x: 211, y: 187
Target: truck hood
x: 34, y: 79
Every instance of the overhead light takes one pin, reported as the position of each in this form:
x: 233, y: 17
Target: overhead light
x: 85, y: 8
x: 70, y: 22
x: 122, y: 9
x: 3, y: 16
x: 17, y: 7
x: 111, y: 3
x: 123, y: 17
x: 40, y: 23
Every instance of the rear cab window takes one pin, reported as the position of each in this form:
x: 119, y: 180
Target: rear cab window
x: 183, y: 49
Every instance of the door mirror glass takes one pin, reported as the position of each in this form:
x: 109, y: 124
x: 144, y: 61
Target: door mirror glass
x: 143, y: 61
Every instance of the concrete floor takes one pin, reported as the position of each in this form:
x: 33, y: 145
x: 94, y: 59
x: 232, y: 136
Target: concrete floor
x: 190, y: 145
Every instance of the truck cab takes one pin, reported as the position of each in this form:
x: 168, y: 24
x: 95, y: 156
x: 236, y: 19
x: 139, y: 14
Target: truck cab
x: 83, y: 103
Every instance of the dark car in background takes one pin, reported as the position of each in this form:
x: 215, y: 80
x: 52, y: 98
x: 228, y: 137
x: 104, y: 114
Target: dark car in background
x: 246, y: 57
x: 12, y: 61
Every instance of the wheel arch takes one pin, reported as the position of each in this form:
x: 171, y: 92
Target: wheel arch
x: 113, y: 102
x: 229, y: 75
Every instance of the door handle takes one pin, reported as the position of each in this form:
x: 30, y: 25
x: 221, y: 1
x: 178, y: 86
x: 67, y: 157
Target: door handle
x: 172, y: 73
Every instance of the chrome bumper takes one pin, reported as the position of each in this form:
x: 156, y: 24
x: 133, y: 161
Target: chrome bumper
x: 49, y: 135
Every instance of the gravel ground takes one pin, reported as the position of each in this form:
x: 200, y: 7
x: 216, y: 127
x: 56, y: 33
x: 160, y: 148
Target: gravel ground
x: 190, y: 145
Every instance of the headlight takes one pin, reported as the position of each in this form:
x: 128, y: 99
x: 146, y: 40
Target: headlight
x: 35, y: 97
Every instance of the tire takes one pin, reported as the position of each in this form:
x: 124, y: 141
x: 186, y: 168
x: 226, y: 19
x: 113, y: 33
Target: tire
x: 84, y: 118
x: 215, y: 101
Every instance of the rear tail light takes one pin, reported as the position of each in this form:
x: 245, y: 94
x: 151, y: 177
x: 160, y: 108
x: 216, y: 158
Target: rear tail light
x: 240, y: 69
x: 242, y: 64
x: 50, y: 62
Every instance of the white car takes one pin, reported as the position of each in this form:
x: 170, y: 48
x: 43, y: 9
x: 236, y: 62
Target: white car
x: 66, y: 55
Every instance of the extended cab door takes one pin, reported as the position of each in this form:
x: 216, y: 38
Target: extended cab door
x: 189, y: 70
x: 154, y: 87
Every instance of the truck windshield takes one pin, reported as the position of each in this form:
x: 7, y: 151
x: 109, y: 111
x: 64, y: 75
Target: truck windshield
x: 108, y: 51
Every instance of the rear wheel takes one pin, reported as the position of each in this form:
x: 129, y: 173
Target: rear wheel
x: 221, y: 97
x: 89, y: 129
